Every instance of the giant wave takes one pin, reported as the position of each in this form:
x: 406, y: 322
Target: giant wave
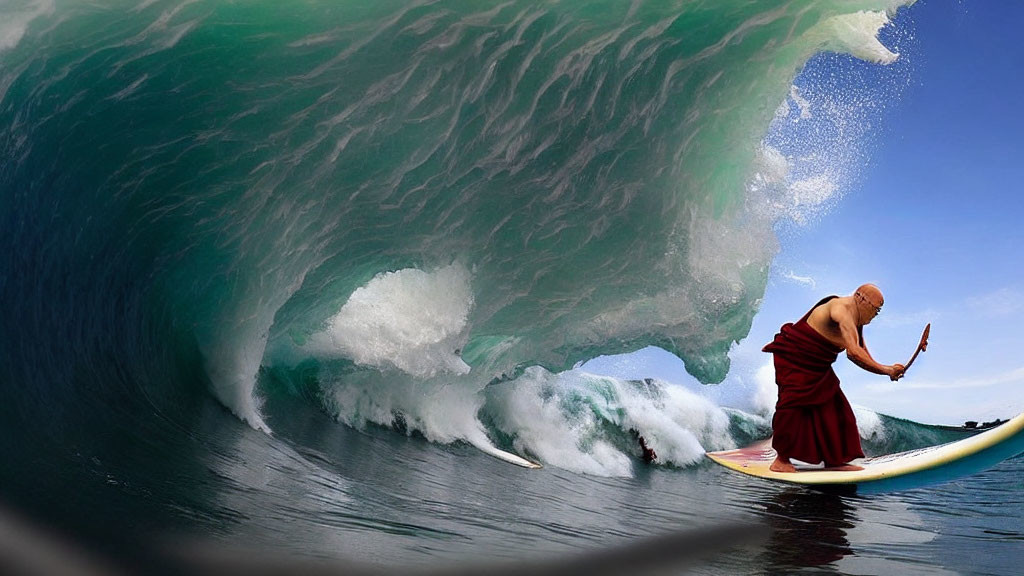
x: 423, y: 210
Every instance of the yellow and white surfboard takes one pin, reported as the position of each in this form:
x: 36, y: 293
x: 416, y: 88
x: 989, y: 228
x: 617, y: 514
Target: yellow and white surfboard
x: 901, y: 471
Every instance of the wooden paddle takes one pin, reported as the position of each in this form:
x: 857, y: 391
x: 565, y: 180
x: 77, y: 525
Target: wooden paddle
x: 920, y: 347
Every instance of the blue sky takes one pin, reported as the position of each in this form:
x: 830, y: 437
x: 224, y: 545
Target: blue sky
x: 933, y: 218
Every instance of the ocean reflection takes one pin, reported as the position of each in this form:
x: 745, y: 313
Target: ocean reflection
x: 807, y: 528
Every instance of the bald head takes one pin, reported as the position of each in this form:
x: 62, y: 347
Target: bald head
x: 871, y: 292
x: 869, y: 300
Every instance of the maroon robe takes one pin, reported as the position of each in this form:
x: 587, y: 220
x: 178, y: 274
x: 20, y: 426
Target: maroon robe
x: 813, y: 420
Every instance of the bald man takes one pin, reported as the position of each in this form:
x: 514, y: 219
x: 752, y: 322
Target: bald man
x: 813, y: 420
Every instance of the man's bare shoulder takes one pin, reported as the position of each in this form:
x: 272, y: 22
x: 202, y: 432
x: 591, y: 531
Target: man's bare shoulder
x: 827, y: 312
x: 841, y: 309
x: 827, y: 319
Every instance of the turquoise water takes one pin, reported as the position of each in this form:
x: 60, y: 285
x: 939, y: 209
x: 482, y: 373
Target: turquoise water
x: 277, y: 271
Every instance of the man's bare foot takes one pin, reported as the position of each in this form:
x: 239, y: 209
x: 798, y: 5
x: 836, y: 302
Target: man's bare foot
x: 844, y: 468
x: 781, y: 465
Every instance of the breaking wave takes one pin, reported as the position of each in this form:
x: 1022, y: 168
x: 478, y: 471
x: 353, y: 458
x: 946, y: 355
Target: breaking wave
x: 423, y: 214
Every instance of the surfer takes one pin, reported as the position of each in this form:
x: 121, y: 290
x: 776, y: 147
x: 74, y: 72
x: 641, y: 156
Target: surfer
x: 649, y: 455
x: 813, y: 420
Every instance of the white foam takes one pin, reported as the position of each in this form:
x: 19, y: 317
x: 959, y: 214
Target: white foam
x: 443, y: 410
x: 766, y: 392
x: 771, y: 168
x: 801, y: 102
x: 802, y: 170
x: 857, y: 34
x: 232, y: 367
x: 813, y: 192
x: 565, y: 420
x: 869, y: 424
x: 681, y: 426
x: 531, y: 408
x: 412, y: 320
x: 776, y: 193
x: 233, y: 351
x: 408, y: 326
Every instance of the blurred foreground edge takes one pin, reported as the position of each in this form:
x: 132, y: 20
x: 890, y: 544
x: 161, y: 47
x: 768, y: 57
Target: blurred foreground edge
x: 27, y: 549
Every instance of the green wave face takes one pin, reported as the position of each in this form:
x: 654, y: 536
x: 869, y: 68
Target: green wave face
x: 435, y: 190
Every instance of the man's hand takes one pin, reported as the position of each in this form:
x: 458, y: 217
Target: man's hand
x: 896, y: 371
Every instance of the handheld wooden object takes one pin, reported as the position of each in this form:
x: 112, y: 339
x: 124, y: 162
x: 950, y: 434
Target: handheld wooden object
x: 920, y: 347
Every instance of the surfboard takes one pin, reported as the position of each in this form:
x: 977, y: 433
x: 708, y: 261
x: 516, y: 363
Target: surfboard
x: 509, y: 457
x: 901, y: 471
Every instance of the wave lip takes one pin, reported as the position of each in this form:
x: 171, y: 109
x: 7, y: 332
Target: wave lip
x: 857, y: 35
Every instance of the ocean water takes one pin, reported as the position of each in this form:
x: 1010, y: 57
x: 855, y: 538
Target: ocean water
x: 281, y: 278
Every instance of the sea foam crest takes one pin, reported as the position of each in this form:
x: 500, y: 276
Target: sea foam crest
x: 817, y: 139
x: 584, y: 422
x: 857, y: 34
x: 442, y: 410
x: 869, y: 424
x: 409, y: 319
x: 797, y: 188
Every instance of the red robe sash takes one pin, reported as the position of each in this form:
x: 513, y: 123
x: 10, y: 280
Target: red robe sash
x: 813, y: 420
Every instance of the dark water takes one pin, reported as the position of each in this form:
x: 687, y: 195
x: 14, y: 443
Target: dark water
x: 274, y: 278
x: 317, y: 490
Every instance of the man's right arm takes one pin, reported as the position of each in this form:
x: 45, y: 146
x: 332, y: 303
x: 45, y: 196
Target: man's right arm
x: 857, y: 354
